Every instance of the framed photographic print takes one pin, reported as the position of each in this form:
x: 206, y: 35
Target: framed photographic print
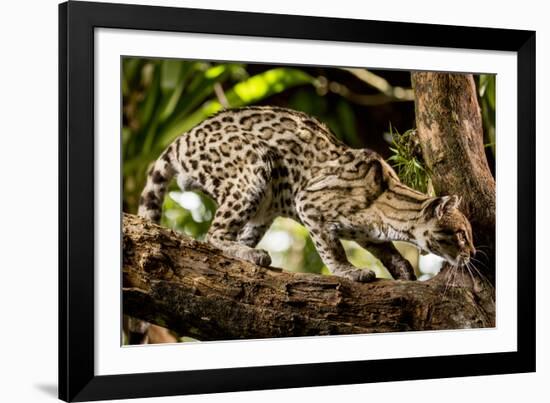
x: 259, y: 201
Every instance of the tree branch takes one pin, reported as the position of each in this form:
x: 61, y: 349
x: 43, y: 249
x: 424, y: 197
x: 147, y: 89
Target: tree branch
x: 191, y: 288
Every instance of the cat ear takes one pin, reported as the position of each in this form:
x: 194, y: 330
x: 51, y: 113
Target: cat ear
x: 439, y: 206
x: 446, y: 204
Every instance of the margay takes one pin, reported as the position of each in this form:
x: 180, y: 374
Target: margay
x: 258, y: 163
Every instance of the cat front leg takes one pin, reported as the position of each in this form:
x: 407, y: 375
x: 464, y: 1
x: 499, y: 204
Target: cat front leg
x: 399, y: 267
x: 333, y: 255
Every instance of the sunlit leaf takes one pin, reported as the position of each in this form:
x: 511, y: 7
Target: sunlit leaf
x: 265, y: 84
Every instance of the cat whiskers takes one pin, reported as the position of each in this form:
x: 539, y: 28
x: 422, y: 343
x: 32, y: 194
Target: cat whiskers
x: 482, y: 253
x: 484, y: 280
x: 470, y: 273
x: 478, y: 261
x: 479, y: 249
x: 476, y: 276
x: 449, y: 277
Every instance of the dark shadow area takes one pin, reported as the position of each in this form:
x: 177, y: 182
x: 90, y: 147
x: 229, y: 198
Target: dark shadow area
x: 49, y: 389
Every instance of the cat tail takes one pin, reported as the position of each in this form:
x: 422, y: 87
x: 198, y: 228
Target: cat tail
x: 158, y: 178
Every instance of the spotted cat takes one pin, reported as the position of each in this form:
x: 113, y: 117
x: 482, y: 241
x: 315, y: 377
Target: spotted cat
x: 259, y: 163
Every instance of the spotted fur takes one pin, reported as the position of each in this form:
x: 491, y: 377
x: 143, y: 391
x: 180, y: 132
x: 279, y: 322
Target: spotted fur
x: 258, y: 163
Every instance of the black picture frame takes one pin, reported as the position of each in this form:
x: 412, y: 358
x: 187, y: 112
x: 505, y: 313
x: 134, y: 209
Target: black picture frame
x: 77, y: 21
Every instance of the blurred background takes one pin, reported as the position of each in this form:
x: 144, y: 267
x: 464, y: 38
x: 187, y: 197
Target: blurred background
x: 164, y: 98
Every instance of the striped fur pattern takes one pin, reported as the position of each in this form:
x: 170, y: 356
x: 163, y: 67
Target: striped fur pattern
x: 258, y: 163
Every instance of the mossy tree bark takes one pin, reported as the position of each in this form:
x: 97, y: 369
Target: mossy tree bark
x: 450, y: 133
x: 193, y: 289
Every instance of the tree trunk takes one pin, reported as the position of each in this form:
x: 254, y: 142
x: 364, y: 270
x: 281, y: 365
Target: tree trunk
x: 449, y: 129
x: 193, y: 289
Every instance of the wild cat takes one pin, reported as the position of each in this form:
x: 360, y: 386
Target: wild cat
x: 259, y: 163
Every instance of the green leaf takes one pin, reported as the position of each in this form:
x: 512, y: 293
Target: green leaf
x: 173, y: 97
x: 199, y: 90
x: 410, y: 170
x: 265, y: 84
x: 147, y: 107
x: 170, y: 74
x: 131, y: 68
x: 487, y: 91
x: 346, y: 117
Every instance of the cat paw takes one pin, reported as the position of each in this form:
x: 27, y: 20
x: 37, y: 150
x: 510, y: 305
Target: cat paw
x: 259, y: 257
x: 359, y: 275
x: 400, y: 268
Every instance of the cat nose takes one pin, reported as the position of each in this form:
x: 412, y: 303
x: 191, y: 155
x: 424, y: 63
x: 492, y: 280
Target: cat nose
x: 473, y: 252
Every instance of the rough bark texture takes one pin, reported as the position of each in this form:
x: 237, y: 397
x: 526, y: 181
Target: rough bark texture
x: 190, y: 287
x: 450, y: 132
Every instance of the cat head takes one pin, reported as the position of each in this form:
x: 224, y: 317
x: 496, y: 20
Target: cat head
x: 446, y: 231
